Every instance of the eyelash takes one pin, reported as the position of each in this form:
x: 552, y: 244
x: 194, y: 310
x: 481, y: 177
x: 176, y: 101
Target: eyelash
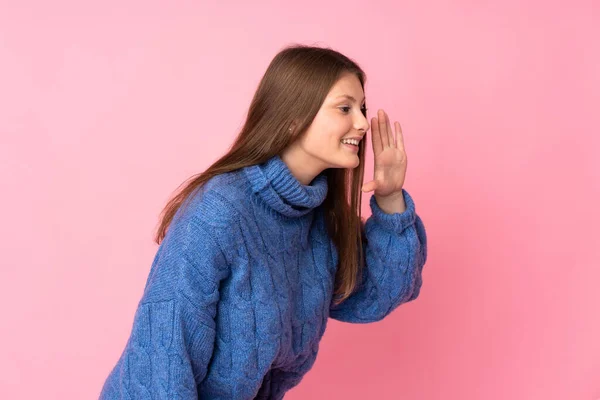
x: 364, y: 109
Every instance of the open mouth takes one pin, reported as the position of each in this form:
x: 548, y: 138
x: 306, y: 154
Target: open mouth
x: 350, y: 145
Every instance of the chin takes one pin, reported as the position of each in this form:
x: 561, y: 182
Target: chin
x: 348, y: 162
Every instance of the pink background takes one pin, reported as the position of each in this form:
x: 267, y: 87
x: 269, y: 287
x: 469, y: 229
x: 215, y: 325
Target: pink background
x: 105, y: 109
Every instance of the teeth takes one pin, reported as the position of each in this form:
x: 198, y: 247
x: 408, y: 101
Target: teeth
x: 351, y: 141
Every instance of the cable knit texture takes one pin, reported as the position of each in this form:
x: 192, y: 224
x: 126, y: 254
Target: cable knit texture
x: 240, y: 290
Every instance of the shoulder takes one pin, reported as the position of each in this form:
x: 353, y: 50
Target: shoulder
x: 221, y: 203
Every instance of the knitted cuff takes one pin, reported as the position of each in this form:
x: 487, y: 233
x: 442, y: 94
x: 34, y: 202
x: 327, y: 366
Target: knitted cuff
x: 395, y: 222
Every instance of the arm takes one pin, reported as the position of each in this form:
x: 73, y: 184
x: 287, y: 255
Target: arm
x: 174, y: 328
x: 395, y: 248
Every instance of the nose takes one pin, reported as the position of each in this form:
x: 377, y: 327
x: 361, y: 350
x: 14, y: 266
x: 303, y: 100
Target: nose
x: 363, y: 124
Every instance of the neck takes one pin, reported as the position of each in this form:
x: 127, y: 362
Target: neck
x: 302, y: 165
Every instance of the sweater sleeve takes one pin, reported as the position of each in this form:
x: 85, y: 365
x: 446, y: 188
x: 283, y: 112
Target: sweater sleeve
x: 174, y: 328
x: 395, y: 249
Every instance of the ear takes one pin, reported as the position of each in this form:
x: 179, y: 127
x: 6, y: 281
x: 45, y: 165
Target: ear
x: 293, y: 126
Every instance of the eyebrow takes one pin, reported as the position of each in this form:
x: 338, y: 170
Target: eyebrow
x: 348, y: 97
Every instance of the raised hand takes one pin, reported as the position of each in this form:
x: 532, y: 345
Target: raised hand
x: 390, y: 158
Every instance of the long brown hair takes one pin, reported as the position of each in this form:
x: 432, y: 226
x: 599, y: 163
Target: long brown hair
x: 290, y: 94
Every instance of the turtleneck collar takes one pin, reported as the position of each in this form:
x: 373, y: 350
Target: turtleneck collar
x: 274, y: 183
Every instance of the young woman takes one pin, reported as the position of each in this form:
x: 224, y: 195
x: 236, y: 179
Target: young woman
x: 268, y: 243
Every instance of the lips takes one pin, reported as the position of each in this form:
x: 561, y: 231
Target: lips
x: 351, y: 146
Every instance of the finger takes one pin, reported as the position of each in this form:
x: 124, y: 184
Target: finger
x: 376, y: 138
x: 370, y: 186
x: 399, y: 137
x: 391, y: 140
x: 383, y: 128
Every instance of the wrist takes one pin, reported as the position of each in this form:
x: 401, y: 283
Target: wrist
x: 393, y: 203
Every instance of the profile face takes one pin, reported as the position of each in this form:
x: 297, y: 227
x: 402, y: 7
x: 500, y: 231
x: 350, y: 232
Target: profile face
x: 339, y: 117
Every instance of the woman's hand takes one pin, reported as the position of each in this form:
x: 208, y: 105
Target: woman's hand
x: 390, y: 159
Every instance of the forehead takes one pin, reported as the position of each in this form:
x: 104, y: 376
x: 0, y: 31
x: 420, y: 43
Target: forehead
x: 347, y: 87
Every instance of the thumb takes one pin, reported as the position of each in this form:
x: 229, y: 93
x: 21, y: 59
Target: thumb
x: 370, y: 186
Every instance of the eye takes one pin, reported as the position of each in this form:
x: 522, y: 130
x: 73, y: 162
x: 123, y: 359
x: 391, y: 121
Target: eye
x: 345, y: 109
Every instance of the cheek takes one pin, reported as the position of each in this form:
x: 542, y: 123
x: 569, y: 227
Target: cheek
x: 325, y: 134
x: 334, y: 138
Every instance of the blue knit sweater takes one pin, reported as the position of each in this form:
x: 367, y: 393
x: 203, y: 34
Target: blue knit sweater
x: 240, y: 290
